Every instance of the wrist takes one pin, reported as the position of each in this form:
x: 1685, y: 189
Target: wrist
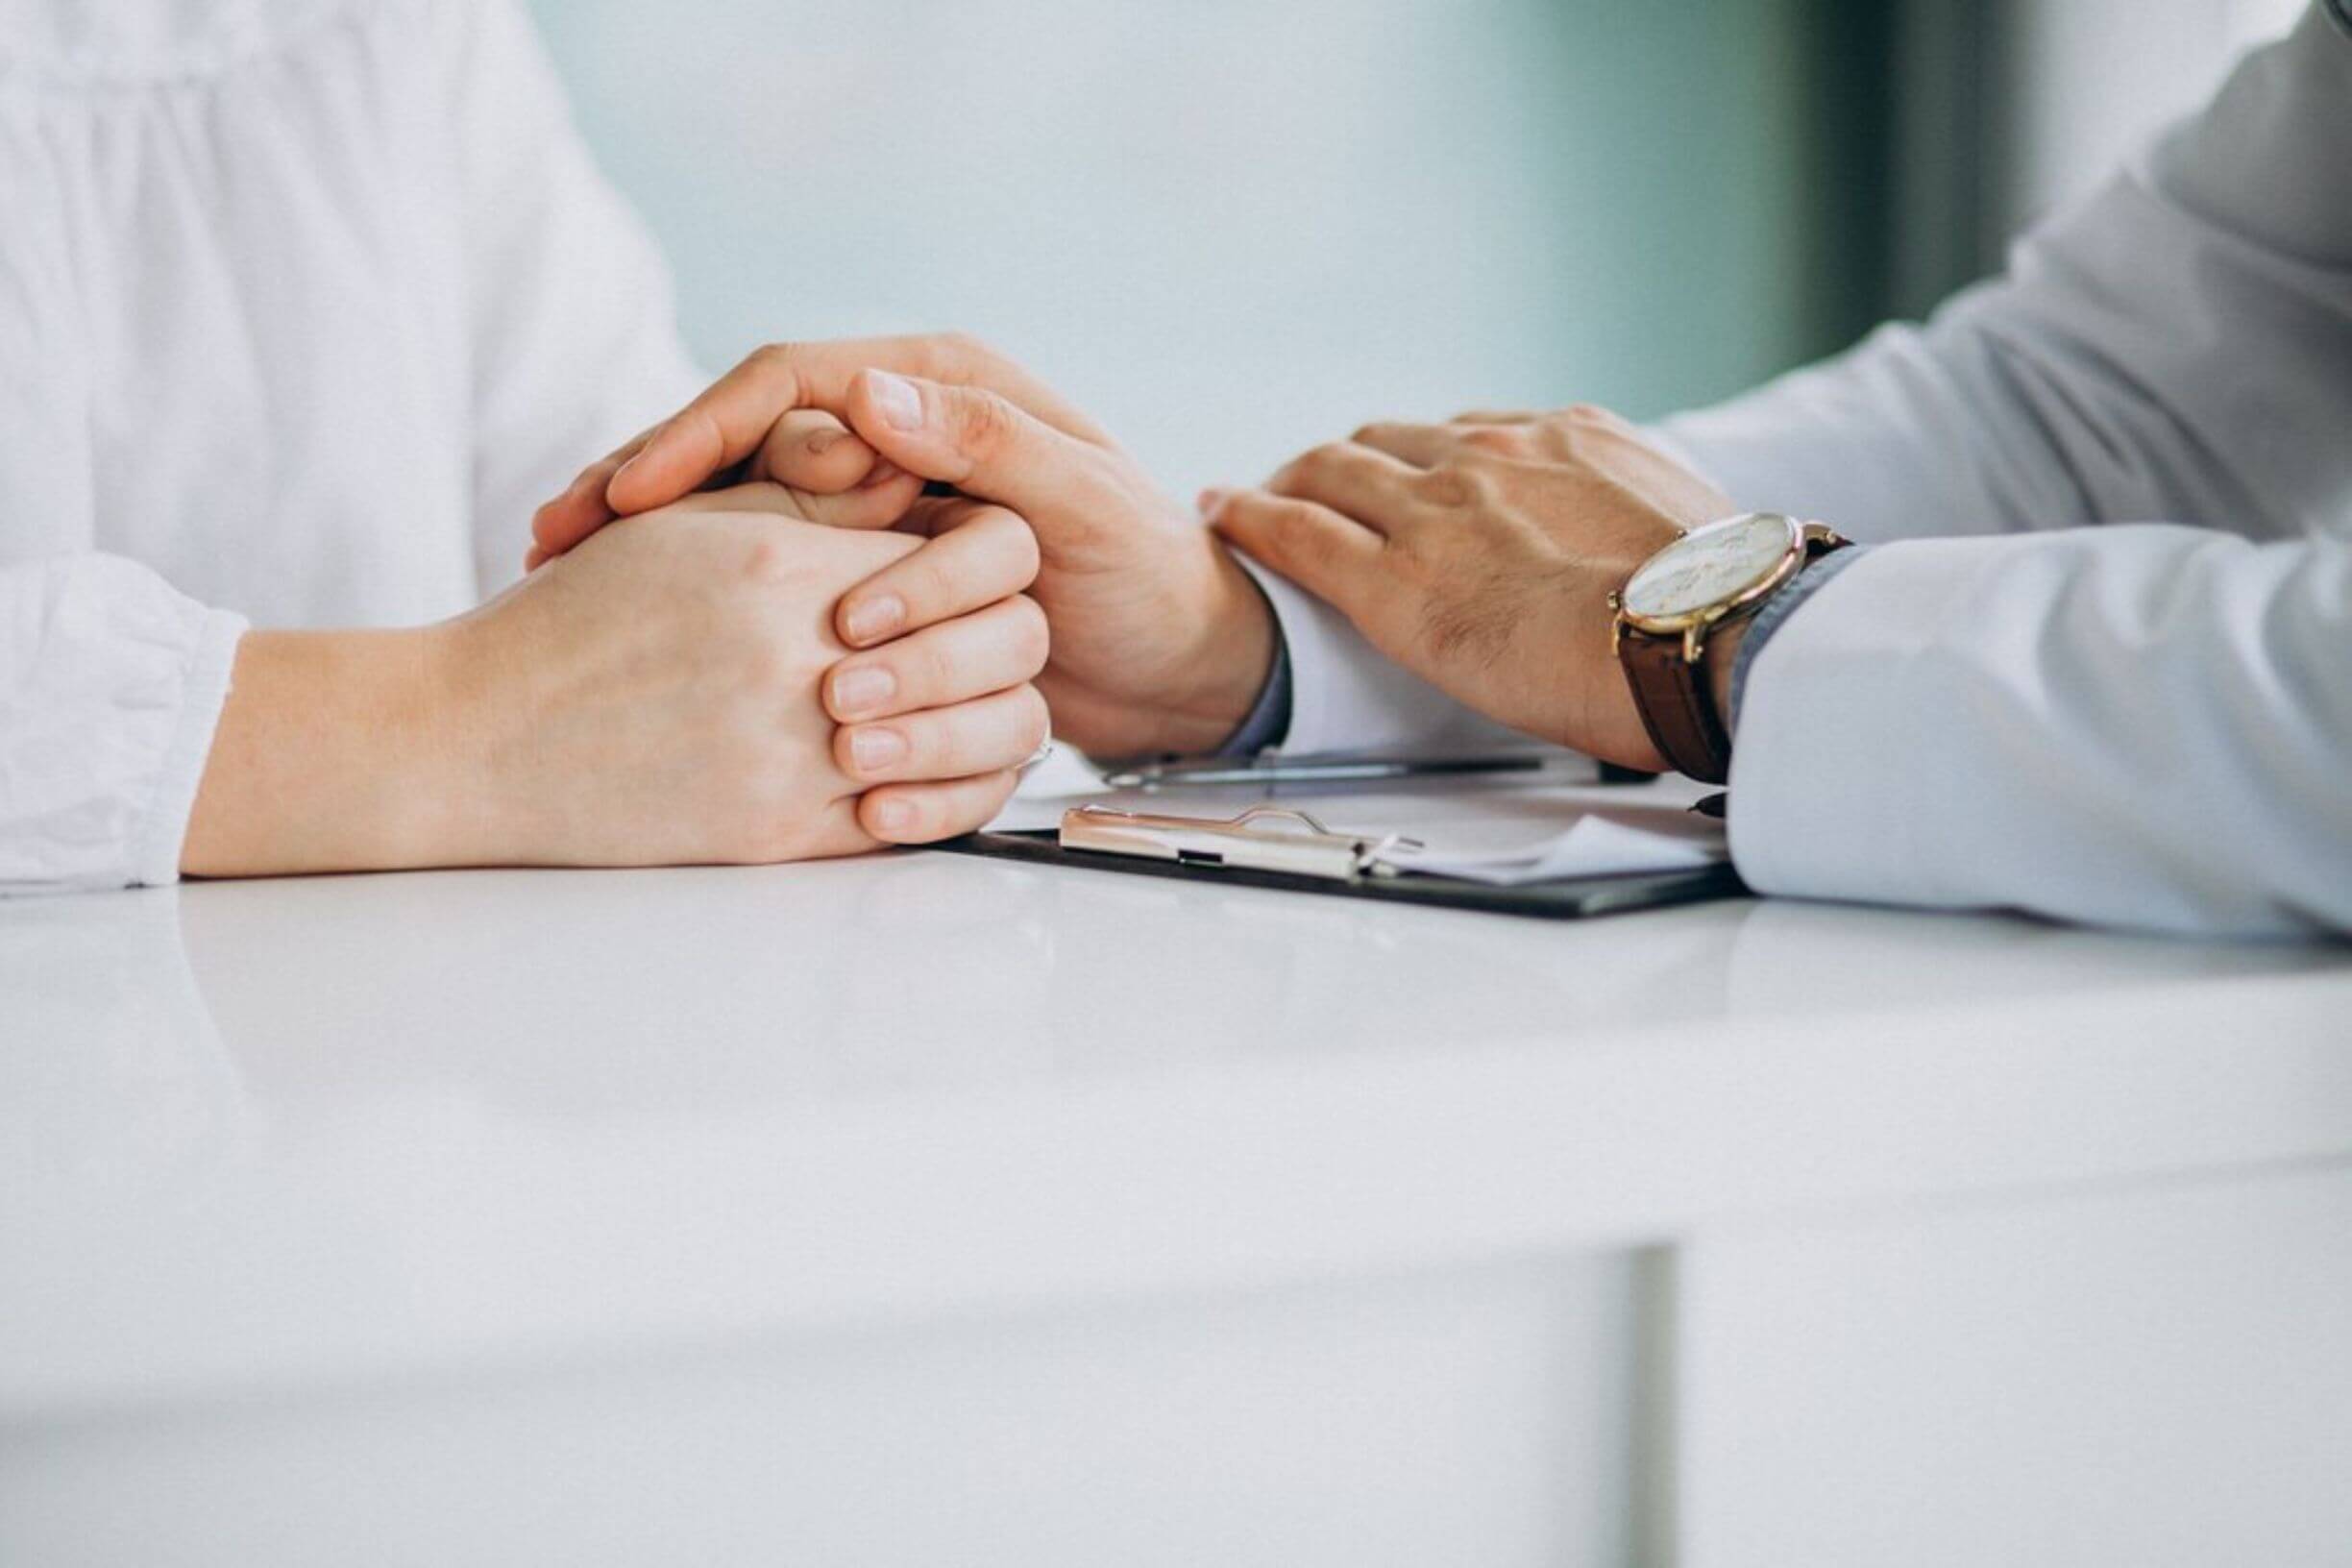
x: 333, y: 754
x: 1233, y: 661
x: 1175, y: 675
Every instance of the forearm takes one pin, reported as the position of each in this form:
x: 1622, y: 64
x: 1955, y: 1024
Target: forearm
x: 336, y: 751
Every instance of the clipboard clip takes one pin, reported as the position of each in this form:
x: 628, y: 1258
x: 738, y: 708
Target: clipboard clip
x: 1261, y: 838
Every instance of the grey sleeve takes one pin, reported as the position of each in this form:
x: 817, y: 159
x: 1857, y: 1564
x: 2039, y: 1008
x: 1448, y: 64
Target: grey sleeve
x: 1774, y: 615
x: 1269, y: 718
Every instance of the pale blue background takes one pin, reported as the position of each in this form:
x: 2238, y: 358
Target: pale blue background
x: 1229, y: 229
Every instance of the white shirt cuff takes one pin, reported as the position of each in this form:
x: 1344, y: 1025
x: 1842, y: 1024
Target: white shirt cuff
x: 1345, y: 695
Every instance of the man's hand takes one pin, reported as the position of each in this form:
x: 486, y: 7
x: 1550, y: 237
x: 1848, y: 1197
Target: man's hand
x: 1480, y: 555
x: 1161, y: 643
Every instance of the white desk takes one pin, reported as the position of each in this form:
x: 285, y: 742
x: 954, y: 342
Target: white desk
x: 930, y: 1210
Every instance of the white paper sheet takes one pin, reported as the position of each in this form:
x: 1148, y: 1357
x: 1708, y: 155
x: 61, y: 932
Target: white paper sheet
x: 1495, y: 828
x: 1661, y: 839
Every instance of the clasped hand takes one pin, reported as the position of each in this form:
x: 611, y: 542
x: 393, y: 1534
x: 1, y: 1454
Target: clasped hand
x: 1479, y: 554
x: 1160, y: 640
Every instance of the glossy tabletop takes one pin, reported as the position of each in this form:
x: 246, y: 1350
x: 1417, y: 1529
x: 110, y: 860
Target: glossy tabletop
x: 262, y: 1134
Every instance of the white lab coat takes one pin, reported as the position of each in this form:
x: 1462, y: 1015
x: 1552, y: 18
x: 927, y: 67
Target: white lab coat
x: 303, y: 306
x: 2131, y: 723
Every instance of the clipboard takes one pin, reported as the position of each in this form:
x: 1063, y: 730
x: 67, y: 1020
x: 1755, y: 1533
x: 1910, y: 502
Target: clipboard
x: 1567, y: 898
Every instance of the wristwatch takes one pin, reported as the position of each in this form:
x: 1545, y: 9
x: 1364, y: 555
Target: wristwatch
x: 1711, y: 575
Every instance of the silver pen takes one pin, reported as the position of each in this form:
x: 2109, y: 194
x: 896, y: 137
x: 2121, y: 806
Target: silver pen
x: 1277, y: 769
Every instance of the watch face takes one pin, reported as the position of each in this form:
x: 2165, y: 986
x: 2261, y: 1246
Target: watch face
x: 1710, y: 566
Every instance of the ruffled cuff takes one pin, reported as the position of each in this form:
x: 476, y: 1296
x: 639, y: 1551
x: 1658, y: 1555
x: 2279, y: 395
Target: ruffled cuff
x: 112, y: 684
x: 162, y: 830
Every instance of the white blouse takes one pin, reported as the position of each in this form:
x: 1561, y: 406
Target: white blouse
x: 303, y: 306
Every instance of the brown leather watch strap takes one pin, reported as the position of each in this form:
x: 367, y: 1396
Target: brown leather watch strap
x: 1675, y: 708
x: 1673, y: 694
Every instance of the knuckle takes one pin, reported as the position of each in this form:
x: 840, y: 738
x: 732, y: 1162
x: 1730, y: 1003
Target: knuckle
x: 1450, y: 485
x: 772, y: 356
x: 702, y: 427
x: 1032, y: 634
x: 1419, y: 554
x: 1020, y: 547
x: 935, y: 671
x: 928, y: 586
x: 1034, y: 720
x: 954, y: 357
x: 941, y: 745
x: 961, y: 344
x: 933, y: 742
x: 971, y: 808
x: 1494, y: 440
x: 920, y: 821
x: 1322, y: 461
x: 985, y: 424
x: 1291, y: 526
x: 1590, y: 428
x: 766, y: 562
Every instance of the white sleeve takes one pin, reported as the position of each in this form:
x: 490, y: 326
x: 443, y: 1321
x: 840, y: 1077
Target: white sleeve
x: 574, y: 338
x: 1345, y: 695
x: 110, y: 684
x: 2134, y: 725
x: 2139, y: 725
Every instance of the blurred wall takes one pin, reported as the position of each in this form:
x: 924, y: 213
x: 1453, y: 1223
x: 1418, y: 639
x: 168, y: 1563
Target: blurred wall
x: 1231, y: 228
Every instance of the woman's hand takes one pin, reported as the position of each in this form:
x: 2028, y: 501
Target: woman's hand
x: 1161, y: 643
x: 652, y: 698
x: 1480, y: 555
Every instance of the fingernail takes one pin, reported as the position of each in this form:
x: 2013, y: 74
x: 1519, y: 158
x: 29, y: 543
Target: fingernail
x: 876, y: 748
x: 1209, y: 499
x: 820, y: 441
x: 619, y: 473
x: 881, y: 474
x: 893, y: 816
x: 896, y: 398
x: 872, y: 618
x: 862, y: 690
